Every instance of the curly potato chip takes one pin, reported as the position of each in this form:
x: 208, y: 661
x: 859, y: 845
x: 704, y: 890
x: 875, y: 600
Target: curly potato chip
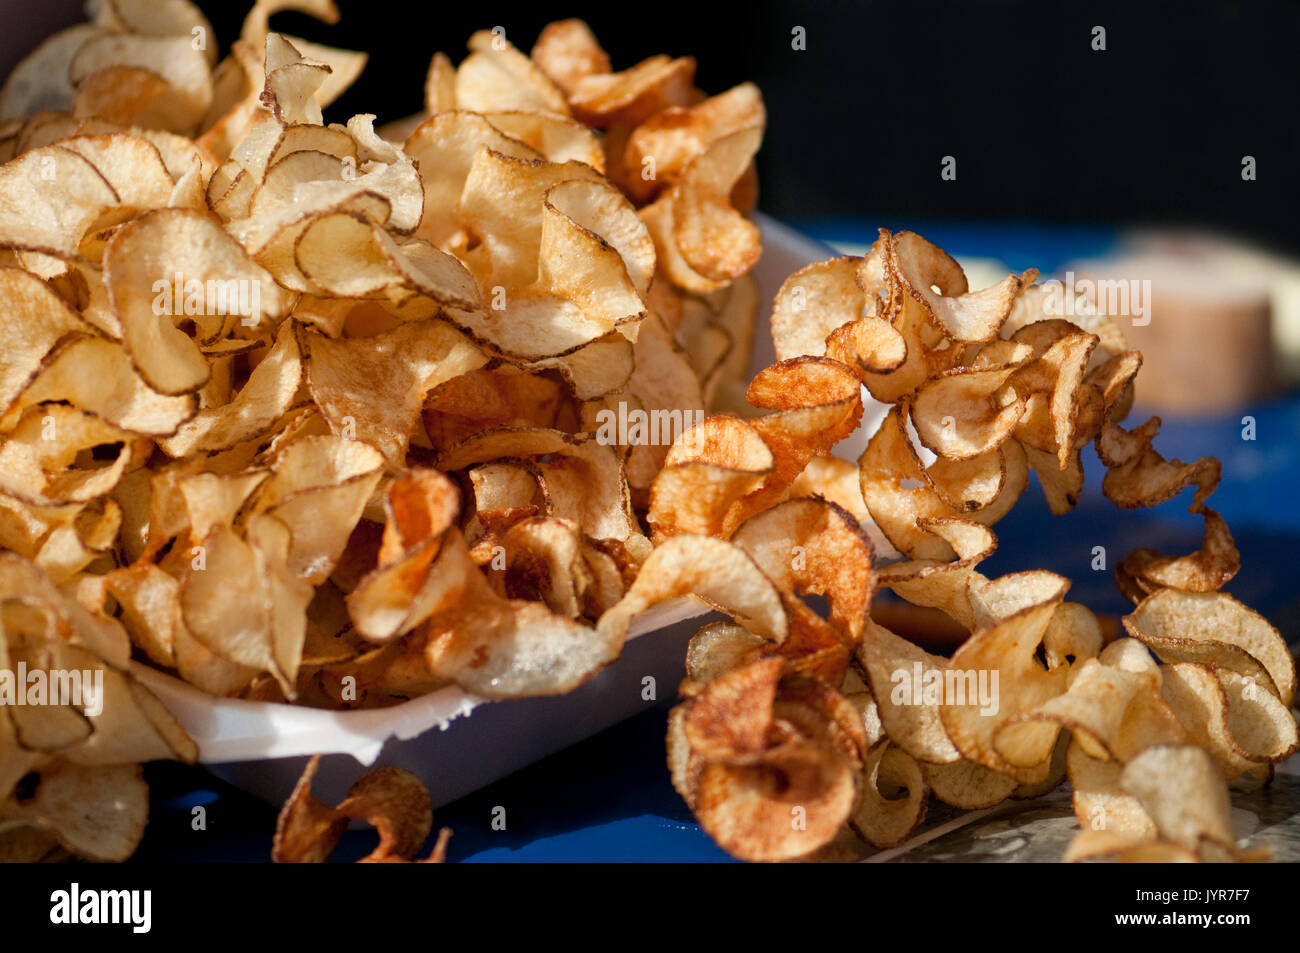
x: 900, y: 492
x: 1214, y: 628
x: 97, y: 812
x: 747, y: 808
x: 963, y: 315
x: 1208, y: 569
x: 812, y: 547
x: 1180, y: 788
x: 824, y: 297
x: 721, y: 647
x: 669, y: 141
x: 966, y: 785
x: 960, y: 414
x: 397, y: 805
x: 1224, y: 714
x: 402, y: 591
x: 502, y: 648
x: 886, y: 820
x: 50, y: 198
x: 1138, y: 475
x: 686, y: 565
x: 97, y: 375
x: 701, y: 239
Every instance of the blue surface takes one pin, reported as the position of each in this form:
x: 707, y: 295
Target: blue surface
x: 1019, y: 245
x: 609, y: 798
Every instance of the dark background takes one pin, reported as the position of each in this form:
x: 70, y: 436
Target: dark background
x: 1043, y: 128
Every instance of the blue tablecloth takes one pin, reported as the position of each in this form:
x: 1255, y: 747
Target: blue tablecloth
x: 609, y: 799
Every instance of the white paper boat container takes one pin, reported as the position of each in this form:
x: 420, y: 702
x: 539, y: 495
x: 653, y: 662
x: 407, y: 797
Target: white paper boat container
x: 453, y: 741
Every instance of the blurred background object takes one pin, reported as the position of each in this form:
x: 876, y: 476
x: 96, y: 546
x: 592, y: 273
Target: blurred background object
x: 1203, y: 327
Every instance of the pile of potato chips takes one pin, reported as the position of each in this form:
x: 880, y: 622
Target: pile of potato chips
x: 298, y: 413
x: 798, y: 729
x: 302, y: 414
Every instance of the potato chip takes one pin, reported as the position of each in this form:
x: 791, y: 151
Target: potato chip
x: 556, y: 138
x: 96, y: 812
x: 894, y: 797
x: 687, y: 565
x: 667, y: 142
x: 446, y: 146
x: 496, y: 76
x: 900, y: 492
x: 1206, y: 570
x: 440, y: 85
x: 962, y: 315
x: 967, y: 785
x: 360, y: 391
x: 50, y: 198
x: 567, y: 51
x: 811, y: 547
x: 176, y: 256
x: 1182, y: 791
x: 1214, y: 628
x: 1138, y: 475
x: 1111, y: 713
x: 1013, y: 617
x: 397, y: 805
x: 721, y: 647
x: 633, y: 95
x: 820, y: 299
x: 913, y: 724
x: 502, y: 648
x: 1224, y: 714
x: 40, y: 80
x: 402, y: 590
x: 702, y: 241
x: 1099, y: 802
x: 183, y: 69
x: 79, y: 370
x: 748, y: 808
x: 307, y: 830
x: 314, y: 476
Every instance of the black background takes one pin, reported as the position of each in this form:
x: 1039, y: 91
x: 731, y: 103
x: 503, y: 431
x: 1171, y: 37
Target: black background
x: 1152, y: 130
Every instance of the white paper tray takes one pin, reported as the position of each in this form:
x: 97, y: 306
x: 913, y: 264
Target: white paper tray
x: 453, y: 741
x: 262, y: 747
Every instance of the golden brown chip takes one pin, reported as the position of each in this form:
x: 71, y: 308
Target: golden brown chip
x: 1214, y: 628
x: 307, y: 830
x: 395, y: 803
x: 784, y: 807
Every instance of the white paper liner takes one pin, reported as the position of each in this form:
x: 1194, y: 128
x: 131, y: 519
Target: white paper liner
x: 230, y: 729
